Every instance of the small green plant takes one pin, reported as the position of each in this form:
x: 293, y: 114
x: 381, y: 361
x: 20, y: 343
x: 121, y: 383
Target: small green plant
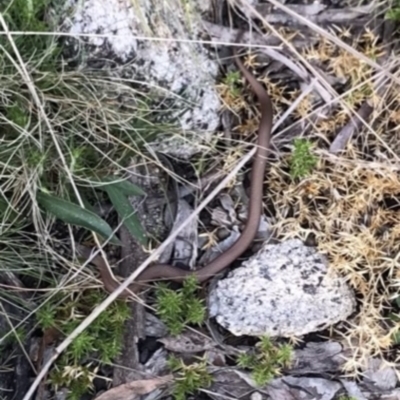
x: 80, y: 380
x: 394, y: 12
x: 46, y: 316
x: 267, y: 361
x: 180, y: 307
x: 28, y: 16
x: 190, y: 378
x: 302, y: 161
x: 344, y: 397
x: 17, y: 336
x: 102, y: 339
x: 232, y: 79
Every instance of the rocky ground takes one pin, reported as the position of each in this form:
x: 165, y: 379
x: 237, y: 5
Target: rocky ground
x: 314, y: 302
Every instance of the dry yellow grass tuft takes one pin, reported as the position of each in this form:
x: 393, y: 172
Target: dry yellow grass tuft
x: 347, y: 207
x: 349, y: 204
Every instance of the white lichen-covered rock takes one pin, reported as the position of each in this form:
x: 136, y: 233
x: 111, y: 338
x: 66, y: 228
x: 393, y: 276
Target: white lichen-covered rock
x: 159, y: 41
x: 285, y: 290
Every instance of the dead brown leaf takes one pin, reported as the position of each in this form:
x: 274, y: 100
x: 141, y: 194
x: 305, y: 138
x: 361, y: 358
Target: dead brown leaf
x: 134, y: 389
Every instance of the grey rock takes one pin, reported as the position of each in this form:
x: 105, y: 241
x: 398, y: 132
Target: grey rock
x: 353, y: 390
x: 380, y: 375
x: 394, y: 395
x: 157, y: 44
x: 285, y: 290
x: 318, y: 358
x: 154, y: 326
x: 303, y: 388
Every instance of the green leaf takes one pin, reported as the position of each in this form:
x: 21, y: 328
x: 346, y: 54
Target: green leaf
x: 125, y: 187
x: 126, y: 213
x: 73, y: 214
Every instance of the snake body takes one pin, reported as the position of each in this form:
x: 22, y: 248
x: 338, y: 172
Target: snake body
x: 169, y: 272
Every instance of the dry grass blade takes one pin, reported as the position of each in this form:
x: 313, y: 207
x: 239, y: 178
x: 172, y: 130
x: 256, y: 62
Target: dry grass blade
x: 348, y: 203
x: 323, y: 33
x: 133, y: 276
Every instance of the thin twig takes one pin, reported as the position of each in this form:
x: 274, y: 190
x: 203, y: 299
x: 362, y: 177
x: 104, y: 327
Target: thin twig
x: 28, y: 81
x: 250, y: 9
x: 113, y: 296
x: 329, y: 36
x: 137, y: 37
x: 95, y: 313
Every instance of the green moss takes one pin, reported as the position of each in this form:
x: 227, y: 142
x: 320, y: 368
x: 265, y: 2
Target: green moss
x: 266, y: 361
x: 177, y: 308
x: 302, y: 161
x: 394, y: 11
x: 232, y: 80
x: 102, y: 339
x: 189, y: 378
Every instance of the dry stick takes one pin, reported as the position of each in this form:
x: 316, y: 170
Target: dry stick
x: 370, y: 165
x: 26, y: 77
x: 14, y: 331
x: 328, y: 35
x: 363, y: 114
x: 99, y: 309
x: 330, y: 103
x: 228, y: 34
x: 219, y: 31
x: 354, y: 125
x: 96, y: 312
x: 317, y: 13
x: 340, y: 43
x: 137, y: 37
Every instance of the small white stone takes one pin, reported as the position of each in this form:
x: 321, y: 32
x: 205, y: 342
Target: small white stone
x: 284, y: 290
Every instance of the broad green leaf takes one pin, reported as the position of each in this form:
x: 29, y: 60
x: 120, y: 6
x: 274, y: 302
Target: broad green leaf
x: 76, y: 215
x: 126, y: 213
x: 125, y: 187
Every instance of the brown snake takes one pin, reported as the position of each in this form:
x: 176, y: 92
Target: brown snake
x: 163, y: 271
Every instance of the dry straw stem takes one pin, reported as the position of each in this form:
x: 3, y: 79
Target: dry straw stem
x: 25, y: 76
x: 90, y: 318
x: 137, y: 37
x: 317, y: 29
x: 344, y: 202
x: 342, y: 205
x: 327, y: 35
